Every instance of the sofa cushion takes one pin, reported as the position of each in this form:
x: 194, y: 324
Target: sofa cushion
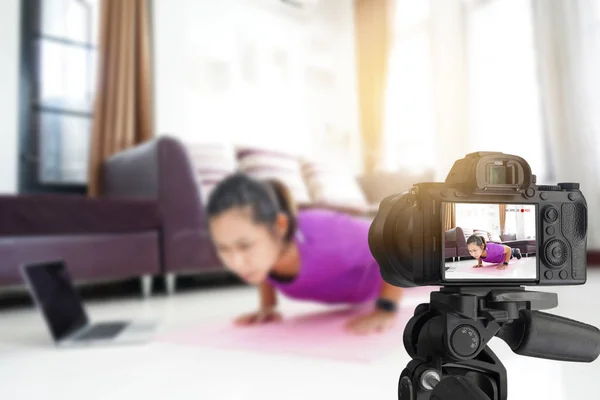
x: 29, y: 215
x: 494, y: 237
x: 212, y: 162
x: 271, y: 164
x: 483, y: 234
x: 334, y: 186
x: 467, y: 232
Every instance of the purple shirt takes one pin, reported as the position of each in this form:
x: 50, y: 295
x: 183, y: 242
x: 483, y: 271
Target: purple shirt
x: 495, y: 253
x: 336, y: 265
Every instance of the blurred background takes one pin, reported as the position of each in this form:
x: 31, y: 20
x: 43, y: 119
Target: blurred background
x: 400, y: 86
x: 119, y: 116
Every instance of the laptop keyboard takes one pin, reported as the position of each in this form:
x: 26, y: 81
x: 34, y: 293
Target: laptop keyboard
x: 102, y: 331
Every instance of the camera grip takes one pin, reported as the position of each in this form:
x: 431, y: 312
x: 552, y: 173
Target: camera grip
x: 543, y: 335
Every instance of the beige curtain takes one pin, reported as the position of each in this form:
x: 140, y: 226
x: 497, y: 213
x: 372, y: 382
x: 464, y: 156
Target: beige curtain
x: 373, y: 19
x: 502, y: 212
x: 449, y: 216
x: 123, y: 114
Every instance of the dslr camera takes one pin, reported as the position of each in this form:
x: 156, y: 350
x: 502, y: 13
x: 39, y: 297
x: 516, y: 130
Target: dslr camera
x: 416, y: 236
x: 431, y: 235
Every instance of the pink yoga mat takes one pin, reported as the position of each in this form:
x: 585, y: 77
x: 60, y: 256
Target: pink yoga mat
x: 316, y: 335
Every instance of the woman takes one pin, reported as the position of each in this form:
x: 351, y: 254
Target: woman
x: 313, y: 255
x: 491, y: 252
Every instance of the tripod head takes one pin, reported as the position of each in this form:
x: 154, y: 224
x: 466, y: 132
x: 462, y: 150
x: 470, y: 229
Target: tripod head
x: 447, y: 340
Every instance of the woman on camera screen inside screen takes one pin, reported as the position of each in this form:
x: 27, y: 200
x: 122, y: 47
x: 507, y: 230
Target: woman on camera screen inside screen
x: 312, y: 255
x: 495, y: 253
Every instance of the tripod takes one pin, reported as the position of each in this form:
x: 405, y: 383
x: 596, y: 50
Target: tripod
x: 447, y: 341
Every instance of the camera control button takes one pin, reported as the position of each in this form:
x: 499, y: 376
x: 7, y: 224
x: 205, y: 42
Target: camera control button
x: 555, y: 253
x: 549, y: 275
x: 551, y: 214
x: 569, y: 185
x: 563, y: 274
x: 530, y: 192
x: 544, y: 196
x: 550, y: 230
x: 572, y: 196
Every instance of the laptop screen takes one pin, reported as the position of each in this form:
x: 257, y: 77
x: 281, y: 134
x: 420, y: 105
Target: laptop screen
x: 54, y: 293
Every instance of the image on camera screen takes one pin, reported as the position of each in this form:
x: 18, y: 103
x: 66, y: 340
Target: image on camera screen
x: 479, y: 239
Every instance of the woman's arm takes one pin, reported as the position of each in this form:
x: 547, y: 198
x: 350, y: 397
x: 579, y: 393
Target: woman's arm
x: 268, y: 296
x: 390, y: 292
x: 507, y: 253
x: 378, y: 320
x: 266, y: 312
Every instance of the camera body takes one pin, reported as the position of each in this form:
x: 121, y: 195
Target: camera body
x: 490, y: 189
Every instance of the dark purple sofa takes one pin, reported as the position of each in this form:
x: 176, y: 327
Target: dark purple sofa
x: 99, y: 239
x: 160, y: 170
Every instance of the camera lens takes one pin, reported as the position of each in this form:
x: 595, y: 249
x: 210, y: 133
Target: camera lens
x: 390, y: 240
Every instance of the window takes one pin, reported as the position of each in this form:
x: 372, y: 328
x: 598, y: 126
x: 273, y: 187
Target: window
x: 485, y: 217
x: 504, y: 100
x: 462, y: 77
x: 520, y: 223
x: 408, y: 126
x: 58, y: 64
x: 591, y: 49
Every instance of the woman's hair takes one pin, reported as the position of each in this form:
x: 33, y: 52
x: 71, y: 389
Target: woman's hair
x: 264, y: 198
x: 478, y: 240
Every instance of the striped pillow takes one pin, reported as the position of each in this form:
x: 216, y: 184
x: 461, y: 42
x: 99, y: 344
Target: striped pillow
x: 333, y: 185
x: 270, y: 164
x: 212, y: 162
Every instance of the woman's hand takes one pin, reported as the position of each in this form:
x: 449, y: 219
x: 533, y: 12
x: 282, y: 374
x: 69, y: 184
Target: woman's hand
x: 376, y: 321
x: 502, y: 266
x: 258, y: 317
x: 478, y: 266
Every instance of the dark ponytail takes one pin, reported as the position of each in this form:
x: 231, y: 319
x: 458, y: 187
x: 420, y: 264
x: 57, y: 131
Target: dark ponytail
x: 264, y: 198
x: 287, y: 205
x: 478, y: 240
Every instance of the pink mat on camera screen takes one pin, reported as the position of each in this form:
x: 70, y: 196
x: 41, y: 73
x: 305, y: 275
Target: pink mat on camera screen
x: 315, y: 335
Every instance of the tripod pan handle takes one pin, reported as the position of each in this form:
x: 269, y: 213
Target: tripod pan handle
x: 543, y: 335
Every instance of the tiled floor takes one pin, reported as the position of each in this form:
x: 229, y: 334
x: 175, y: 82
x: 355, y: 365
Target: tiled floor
x: 31, y: 368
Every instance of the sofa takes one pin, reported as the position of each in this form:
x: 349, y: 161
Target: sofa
x: 179, y: 176
x: 455, y: 241
x: 99, y: 239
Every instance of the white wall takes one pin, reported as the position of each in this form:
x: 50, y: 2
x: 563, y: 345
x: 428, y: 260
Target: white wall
x: 250, y: 72
x: 9, y: 63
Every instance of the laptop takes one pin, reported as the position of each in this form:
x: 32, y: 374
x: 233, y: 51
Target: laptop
x: 54, y: 294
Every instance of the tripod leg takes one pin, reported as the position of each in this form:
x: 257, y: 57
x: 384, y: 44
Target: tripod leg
x: 457, y: 387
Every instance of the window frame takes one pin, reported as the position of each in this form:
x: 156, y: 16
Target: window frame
x: 29, y: 179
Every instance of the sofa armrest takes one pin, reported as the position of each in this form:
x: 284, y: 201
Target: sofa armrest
x: 160, y: 169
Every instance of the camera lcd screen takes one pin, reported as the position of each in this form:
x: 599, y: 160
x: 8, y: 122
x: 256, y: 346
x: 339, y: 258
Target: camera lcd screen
x: 480, y: 238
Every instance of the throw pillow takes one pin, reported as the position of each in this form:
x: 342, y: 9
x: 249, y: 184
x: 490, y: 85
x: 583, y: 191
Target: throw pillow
x: 270, y: 164
x: 333, y: 186
x: 211, y: 162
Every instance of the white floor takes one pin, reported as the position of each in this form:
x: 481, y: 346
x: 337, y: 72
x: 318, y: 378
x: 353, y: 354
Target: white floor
x: 522, y: 269
x: 31, y: 368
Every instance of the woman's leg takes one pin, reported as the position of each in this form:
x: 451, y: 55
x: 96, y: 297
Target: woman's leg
x: 516, y: 253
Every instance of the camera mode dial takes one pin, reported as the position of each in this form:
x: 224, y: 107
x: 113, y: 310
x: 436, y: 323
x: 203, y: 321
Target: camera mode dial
x: 569, y: 186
